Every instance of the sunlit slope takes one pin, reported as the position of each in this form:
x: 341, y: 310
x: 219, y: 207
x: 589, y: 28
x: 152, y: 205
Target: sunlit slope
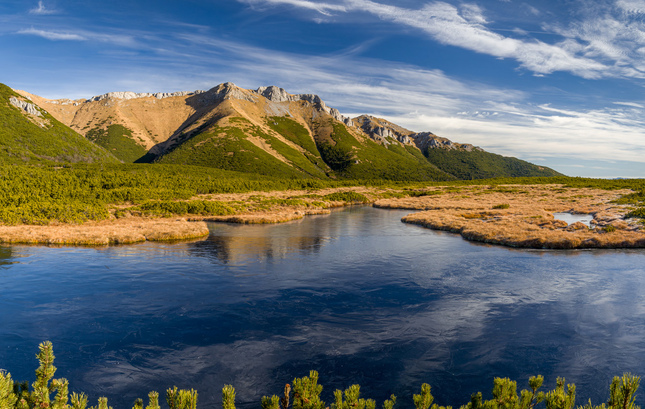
x: 29, y: 134
x: 124, y: 123
x: 268, y: 131
x: 245, y: 131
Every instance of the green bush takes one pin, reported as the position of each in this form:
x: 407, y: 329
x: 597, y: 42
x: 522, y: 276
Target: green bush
x: 637, y: 213
x: 118, y: 140
x: 197, y: 207
x: 337, y: 157
x: 47, y: 392
x: 349, y: 197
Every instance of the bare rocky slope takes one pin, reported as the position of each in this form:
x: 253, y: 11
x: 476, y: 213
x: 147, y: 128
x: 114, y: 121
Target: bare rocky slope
x: 270, y: 131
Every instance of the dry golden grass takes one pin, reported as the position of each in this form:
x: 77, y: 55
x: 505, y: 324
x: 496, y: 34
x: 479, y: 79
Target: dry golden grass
x: 517, y: 216
x: 253, y: 208
x: 103, y: 233
x: 476, y: 214
x: 269, y: 217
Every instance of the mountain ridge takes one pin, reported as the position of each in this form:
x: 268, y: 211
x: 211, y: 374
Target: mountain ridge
x: 128, y: 123
x: 30, y: 134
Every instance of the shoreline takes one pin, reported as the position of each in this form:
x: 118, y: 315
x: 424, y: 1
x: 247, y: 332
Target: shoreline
x: 519, y: 216
x: 104, y: 233
x: 256, y: 208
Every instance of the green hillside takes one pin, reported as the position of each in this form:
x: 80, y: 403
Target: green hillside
x: 334, y: 152
x: 117, y: 139
x: 22, y: 141
x: 229, y: 148
x: 467, y: 165
x: 367, y: 159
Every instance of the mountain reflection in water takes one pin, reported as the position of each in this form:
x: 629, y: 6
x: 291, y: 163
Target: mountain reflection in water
x: 357, y: 295
x: 236, y: 244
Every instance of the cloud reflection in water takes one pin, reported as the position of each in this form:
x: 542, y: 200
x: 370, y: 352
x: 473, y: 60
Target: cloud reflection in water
x: 356, y: 295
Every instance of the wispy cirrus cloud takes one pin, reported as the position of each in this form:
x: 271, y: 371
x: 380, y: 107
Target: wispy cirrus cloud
x: 465, y: 26
x: 53, y: 35
x: 631, y: 6
x: 603, y: 42
x: 322, y: 8
x: 42, y: 10
x: 124, y: 40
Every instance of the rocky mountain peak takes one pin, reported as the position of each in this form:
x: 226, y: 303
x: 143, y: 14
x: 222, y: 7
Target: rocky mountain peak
x: 126, y: 95
x: 277, y: 94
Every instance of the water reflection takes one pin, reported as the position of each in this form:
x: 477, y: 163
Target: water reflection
x: 571, y: 218
x: 237, y: 244
x: 357, y: 295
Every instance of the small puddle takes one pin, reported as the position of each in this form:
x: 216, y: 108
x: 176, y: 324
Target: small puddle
x: 573, y: 218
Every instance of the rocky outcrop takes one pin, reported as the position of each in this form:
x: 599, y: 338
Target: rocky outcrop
x: 28, y: 107
x: 381, y: 130
x: 125, y: 95
x: 277, y: 94
x: 225, y: 91
x: 385, y: 132
x: 428, y: 140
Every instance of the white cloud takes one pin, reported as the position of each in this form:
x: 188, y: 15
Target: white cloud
x: 631, y: 6
x: 322, y: 8
x: 124, y: 40
x: 53, y: 35
x: 41, y: 9
x: 604, y: 41
x: 630, y: 104
x: 465, y: 27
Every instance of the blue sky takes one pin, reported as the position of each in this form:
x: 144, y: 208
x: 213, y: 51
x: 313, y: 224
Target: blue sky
x: 559, y: 83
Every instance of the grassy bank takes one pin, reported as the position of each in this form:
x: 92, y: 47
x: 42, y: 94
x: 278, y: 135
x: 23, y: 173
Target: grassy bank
x: 508, y: 211
x: 40, y: 195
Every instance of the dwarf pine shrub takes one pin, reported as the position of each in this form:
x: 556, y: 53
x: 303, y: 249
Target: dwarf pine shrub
x: 50, y: 393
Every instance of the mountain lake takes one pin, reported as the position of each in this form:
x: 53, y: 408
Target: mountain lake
x: 357, y: 295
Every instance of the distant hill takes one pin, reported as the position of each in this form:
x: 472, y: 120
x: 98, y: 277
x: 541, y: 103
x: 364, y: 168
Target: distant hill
x: 463, y: 161
x: 271, y: 132
x: 29, y: 134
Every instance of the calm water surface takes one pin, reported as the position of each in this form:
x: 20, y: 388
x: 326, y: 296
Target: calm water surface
x: 357, y: 295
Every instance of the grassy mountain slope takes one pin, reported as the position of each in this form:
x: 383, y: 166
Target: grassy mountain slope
x: 483, y: 165
x: 229, y: 148
x: 118, y: 140
x: 241, y: 134
x: 370, y: 160
x: 270, y: 132
x: 150, y: 120
x: 462, y: 161
x: 26, y: 138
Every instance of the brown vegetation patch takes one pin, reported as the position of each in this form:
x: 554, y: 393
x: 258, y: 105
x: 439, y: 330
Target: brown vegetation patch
x: 265, y: 217
x: 528, y: 221
x: 103, y: 233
